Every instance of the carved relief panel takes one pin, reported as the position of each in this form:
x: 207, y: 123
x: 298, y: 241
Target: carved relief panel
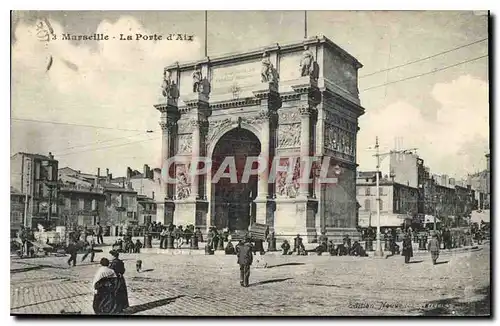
x: 183, y: 181
x: 289, y: 135
x: 185, y: 142
x: 286, y: 187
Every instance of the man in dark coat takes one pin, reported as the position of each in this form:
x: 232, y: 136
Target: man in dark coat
x: 245, y: 259
x: 407, y: 248
x: 72, y: 251
x: 98, y: 233
x: 298, y: 245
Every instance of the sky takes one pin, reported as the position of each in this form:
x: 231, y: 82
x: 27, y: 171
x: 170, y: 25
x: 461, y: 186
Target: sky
x: 115, y: 84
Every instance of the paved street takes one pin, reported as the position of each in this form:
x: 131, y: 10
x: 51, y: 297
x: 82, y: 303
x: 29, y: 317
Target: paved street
x: 289, y: 285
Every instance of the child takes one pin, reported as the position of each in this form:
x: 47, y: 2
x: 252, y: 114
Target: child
x: 138, y: 265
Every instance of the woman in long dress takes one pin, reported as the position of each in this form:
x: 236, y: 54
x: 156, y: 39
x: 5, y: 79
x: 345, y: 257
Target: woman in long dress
x: 105, y: 286
x: 119, y: 268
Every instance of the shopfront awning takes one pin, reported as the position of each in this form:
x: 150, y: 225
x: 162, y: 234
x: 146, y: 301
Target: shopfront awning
x: 386, y: 220
x: 429, y: 219
x: 481, y: 215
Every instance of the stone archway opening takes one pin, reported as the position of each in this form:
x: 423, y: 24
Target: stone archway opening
x: 233, y: 206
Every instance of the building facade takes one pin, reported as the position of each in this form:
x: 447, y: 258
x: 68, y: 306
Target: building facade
x: 17, y: 209
x: 287, y: 101
x: 398, y: 202
x: 146, y: 210
x: 121, y: 208
x: 36, y: 175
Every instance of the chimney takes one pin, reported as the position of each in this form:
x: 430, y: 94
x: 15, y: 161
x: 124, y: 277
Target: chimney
x: 108, y: 178
x: 51, y: 156
x: 98, y: 173
x: 153, y: 195
x: 129, y: 173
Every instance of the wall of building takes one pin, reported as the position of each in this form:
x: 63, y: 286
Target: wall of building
x: 16, y: 211
x: 121, y: 207
x: 340, y: 201
x: 404, y: 167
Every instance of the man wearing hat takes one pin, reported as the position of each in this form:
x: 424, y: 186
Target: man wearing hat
x: 245, y: 259
x: 434, y: 248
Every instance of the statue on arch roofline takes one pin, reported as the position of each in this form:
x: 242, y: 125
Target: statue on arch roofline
x: 197, y: 79
x: 168, y: 87
x: 308, y: 66
x: 268, y: 73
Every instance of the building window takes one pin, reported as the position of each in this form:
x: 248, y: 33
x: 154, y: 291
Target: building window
x: 367, y: 205
x: 367, y: 191
x: 81, y: 204
x: 129, y: 214
x: 381, y: 204
x: 381, y: 191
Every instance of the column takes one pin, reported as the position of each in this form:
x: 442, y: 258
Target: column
x: 165, y: 154
x: 263, y: 187
x: 195, y: 180
x: 305, y: 144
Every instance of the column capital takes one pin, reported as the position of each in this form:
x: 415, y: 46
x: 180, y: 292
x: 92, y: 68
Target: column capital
x: 306, y: 110
x: 168, y: 125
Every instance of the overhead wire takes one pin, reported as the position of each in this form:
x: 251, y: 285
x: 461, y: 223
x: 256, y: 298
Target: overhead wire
x: 425, y: 73
x: 422, y: 59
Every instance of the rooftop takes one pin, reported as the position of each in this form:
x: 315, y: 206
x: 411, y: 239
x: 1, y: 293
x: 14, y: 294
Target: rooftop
x: 37, y: 156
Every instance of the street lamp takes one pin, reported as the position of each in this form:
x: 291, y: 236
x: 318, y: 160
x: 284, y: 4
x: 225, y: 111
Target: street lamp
x: 378, y: 250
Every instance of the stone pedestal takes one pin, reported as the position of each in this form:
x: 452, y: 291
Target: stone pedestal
x: 296, y: 216
x: 261, y: 205
x: 168, y: 214
x: 191, y: 211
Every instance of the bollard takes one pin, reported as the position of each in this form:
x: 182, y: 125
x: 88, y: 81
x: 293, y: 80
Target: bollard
x: 170, y: 241
x: 193, y: 242
x: 272, y: 244
x: 220, y: 244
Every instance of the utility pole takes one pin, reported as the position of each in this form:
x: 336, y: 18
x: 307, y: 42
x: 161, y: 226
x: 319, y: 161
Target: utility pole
x: 378, y: 251
x: 26, y: 198
x: 305, y: 24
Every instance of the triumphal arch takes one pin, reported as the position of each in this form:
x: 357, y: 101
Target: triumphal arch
x: 281, y: 103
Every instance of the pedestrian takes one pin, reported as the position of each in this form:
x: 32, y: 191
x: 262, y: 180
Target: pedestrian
x: 121, y: 293
x: 98, y: 231
x: 245, y: 259
x: 137, y: 246
x: 72, y: 250
x: 89, y: 246
x: 179, y: 236
x: 434, y: 248
x: 285, y: 246
x: 105, y: 286
x: 199, y: 235
x: 298, y: 245
x: 407, y: 248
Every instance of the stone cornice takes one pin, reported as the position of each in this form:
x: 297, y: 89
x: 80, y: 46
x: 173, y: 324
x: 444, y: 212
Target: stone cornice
x: 329, y: 95
x: 234, y: 103
x: 257, y: 53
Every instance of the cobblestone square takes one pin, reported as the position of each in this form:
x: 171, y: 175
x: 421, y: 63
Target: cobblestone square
x: 199, y: 285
